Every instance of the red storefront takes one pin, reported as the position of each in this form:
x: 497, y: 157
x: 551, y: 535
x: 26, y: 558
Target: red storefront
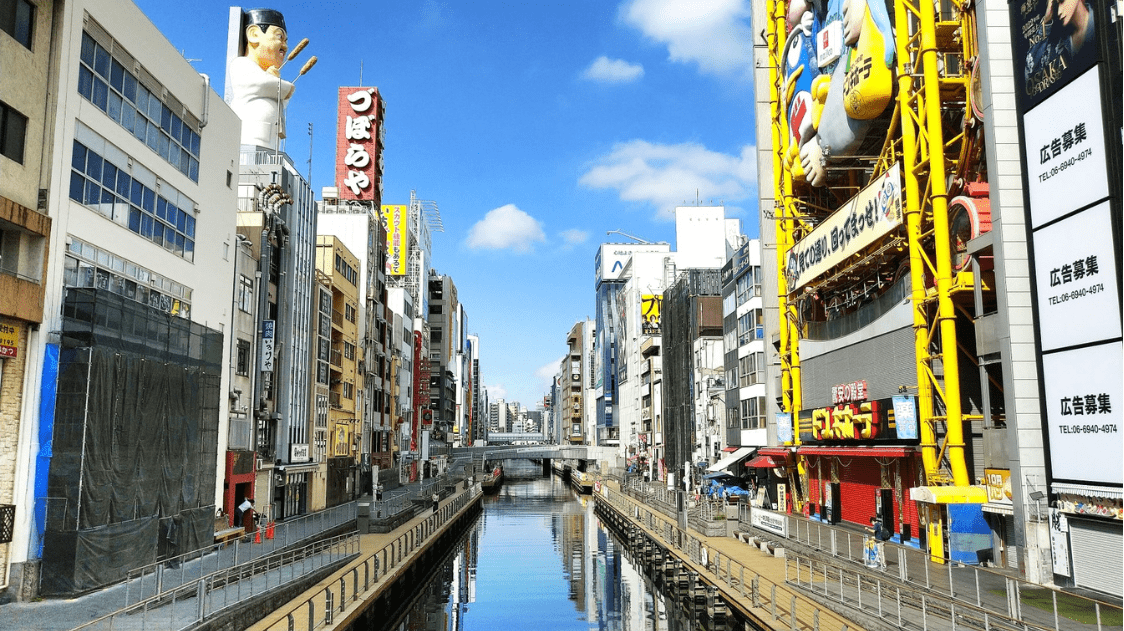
x: 239, y: 481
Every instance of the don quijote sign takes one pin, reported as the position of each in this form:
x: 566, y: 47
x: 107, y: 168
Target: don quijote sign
x: 358, y: 146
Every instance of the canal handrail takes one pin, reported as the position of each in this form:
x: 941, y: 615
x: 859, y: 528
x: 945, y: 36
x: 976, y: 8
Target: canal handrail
x: 945, y: 578
x: 203, y: 589
x: 323, y: 606
x: 749, y: 583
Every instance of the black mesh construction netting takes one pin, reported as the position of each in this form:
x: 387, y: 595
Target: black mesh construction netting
x: 132, y: 476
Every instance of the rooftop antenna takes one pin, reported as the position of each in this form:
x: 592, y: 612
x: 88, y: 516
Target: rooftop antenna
x: 310, y: 154
x: 360, y: 72
x: 696, y: 197
x: 636, y: 239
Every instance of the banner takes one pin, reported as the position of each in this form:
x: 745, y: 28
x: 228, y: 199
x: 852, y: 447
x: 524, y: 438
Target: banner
x: 267, y: 335
x: 359, y: 144
x: 650, y: 305
x: 394, y: 218
x: 9, y: 340
x: 866, y: 218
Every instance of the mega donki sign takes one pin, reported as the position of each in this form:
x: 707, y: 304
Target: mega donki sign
x: 358, y: 144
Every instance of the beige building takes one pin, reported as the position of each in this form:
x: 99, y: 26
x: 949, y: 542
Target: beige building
x: 344, y: 424
x: 26, y: 114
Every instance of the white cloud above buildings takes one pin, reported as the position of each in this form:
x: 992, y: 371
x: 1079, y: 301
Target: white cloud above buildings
x: 545, y: 374
x: 665, y: 176
x: 573, y: 237
x: 496, y: 391
x: 715, y: 34
x: 506, y: 228
x: 605, y: 70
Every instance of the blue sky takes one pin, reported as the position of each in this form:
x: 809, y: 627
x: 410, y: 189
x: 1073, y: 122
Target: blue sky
x: 536, y: 127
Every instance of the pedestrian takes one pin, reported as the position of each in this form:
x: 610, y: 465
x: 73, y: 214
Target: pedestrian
x: 436, y: 501
x: 246, y: 515
x: 881, y: 534
x: 378, y: 492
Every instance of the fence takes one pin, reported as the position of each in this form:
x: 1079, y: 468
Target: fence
x: 323, y: 607
x: 738, y: 578
x: 997, y: 595
x: 189, y: 602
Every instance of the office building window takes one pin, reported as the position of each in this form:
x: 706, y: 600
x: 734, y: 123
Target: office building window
x: 88, y: 266
x: 243, y: 357
x: 109, y: 189
x: 245, y: 293
x: 17, y: 18
x: 115, y: 90
x: 13, y: 131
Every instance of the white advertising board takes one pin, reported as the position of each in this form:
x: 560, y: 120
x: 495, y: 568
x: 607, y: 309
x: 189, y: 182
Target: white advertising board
x: 1075, y: 273
x: 267, y: 339
x: 865, y: 218
x: 768, y: 520
x: 1084, y: 404
x: 1066, y: 165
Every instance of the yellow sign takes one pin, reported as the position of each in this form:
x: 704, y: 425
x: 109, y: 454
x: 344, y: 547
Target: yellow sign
x: 998, y: 482
x: 394, y: 218
x: 9, y: 340
x: 650, y: 305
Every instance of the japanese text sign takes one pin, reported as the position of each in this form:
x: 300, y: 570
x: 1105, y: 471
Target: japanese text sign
x: 358, y: 144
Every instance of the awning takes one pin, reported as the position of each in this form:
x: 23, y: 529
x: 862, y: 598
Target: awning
x: 730, y: 449
x: 949, y: 494
x: 776, y: 452
x: 1088, y: 490
x: 741, y: 452
x: 766, y: 462
x: 861, y: 452
x: 998, y: 509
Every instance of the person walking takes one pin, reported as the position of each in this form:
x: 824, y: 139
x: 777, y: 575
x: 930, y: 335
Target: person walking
x: 246, y: 515
x: 436, y: 501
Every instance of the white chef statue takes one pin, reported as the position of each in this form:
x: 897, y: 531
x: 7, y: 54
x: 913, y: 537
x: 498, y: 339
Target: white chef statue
x: 258, y: 93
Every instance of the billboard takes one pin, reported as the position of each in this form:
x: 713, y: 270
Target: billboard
x: 865, y: 218
x: 359, y: 144
x: 9, y: 340
x: 1052, y: 45
x: 394, y: 218
x: 650, y: 305
x: 611, y: 258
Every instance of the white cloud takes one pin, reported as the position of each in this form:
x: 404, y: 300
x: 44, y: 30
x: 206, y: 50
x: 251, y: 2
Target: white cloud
x: 505, y: 228
x: 715, y: 34
x: 605, y: 70
x: 574, y: 237
x: 496, y: 392
x: 545, y: 374
x: 666, y: 176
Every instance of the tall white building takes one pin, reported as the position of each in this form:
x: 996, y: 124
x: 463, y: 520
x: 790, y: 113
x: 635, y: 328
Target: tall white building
x: 138, y: 292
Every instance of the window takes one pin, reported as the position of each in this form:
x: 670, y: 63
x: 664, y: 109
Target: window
x: 13, y: 130
x: 245, y: 293
x: 349, y: 350
x: 348, y: 390
x: 349, y: 312
x: 115, y: 90
x: 17, y: 18
x: 243, y: 357
x: 87, y: 266
x: 753, y: 413
x: 109, y: 189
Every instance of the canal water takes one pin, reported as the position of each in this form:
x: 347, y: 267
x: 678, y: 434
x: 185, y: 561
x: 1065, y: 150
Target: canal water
x: 539, y: 558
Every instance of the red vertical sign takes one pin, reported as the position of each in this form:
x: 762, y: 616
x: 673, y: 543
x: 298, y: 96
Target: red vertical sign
x: 359, y: 144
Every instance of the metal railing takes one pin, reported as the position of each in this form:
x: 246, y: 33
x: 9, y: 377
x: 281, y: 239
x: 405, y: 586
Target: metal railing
x: 150, y: 580
x: 324, y: 606
x: 188, y: 603
x: 738, y: 579
x: 997, y: 594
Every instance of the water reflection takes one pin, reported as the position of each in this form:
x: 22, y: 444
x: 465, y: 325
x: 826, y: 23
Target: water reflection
x: 539, y: 558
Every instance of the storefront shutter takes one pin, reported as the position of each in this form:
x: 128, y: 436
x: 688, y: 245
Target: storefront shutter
x: 1094, y: 565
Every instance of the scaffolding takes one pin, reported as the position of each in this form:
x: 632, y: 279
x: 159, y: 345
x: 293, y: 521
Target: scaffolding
x: 929, y: 130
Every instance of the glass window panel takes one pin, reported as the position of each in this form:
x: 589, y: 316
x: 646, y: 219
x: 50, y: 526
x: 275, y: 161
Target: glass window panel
x: 185, y: 162
x: 70, y: 272
x: 185, y: 136
x: 140, y: 127
x: 25, y: 13
x: 123, y: 183
x: 78, y: 158
x: 190, y: 231
x: 181, y: 221
x: 189, y: 249
x: 134, y: 219
x: 101, y: 94
x: 154, y: 106
x: 120, y: 209
x: 130, y: 90
x: 177, y: 127
x: 109, y: 176
x: 161, y: 207
x: 145, y: 224
x: 85, y: 82
x: 169, y: 235
x: 194, y: 144
x: 128, y: 116
x: 85, y: 275
x: 149, y: 200
x: 87, y: 49
x: 193, y: 170
x: 179, y: 244
x: 162, y: 145
x: 77, y: 186
x: 153, y: 135
x: 137, y: 193
x: 157, y: 232
x: 142, y: 294
x: 131, y: 290
x: 117, y: 75
x: 142, y: 98
x: 93, y: 165
x: 93, y: 193
x: 101, y: 61
x: 114, y: 109
x: 106, y: 205
x: 165, y: 118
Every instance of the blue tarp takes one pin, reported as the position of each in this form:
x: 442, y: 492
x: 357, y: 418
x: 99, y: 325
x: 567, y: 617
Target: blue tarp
x: 969, y: 536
